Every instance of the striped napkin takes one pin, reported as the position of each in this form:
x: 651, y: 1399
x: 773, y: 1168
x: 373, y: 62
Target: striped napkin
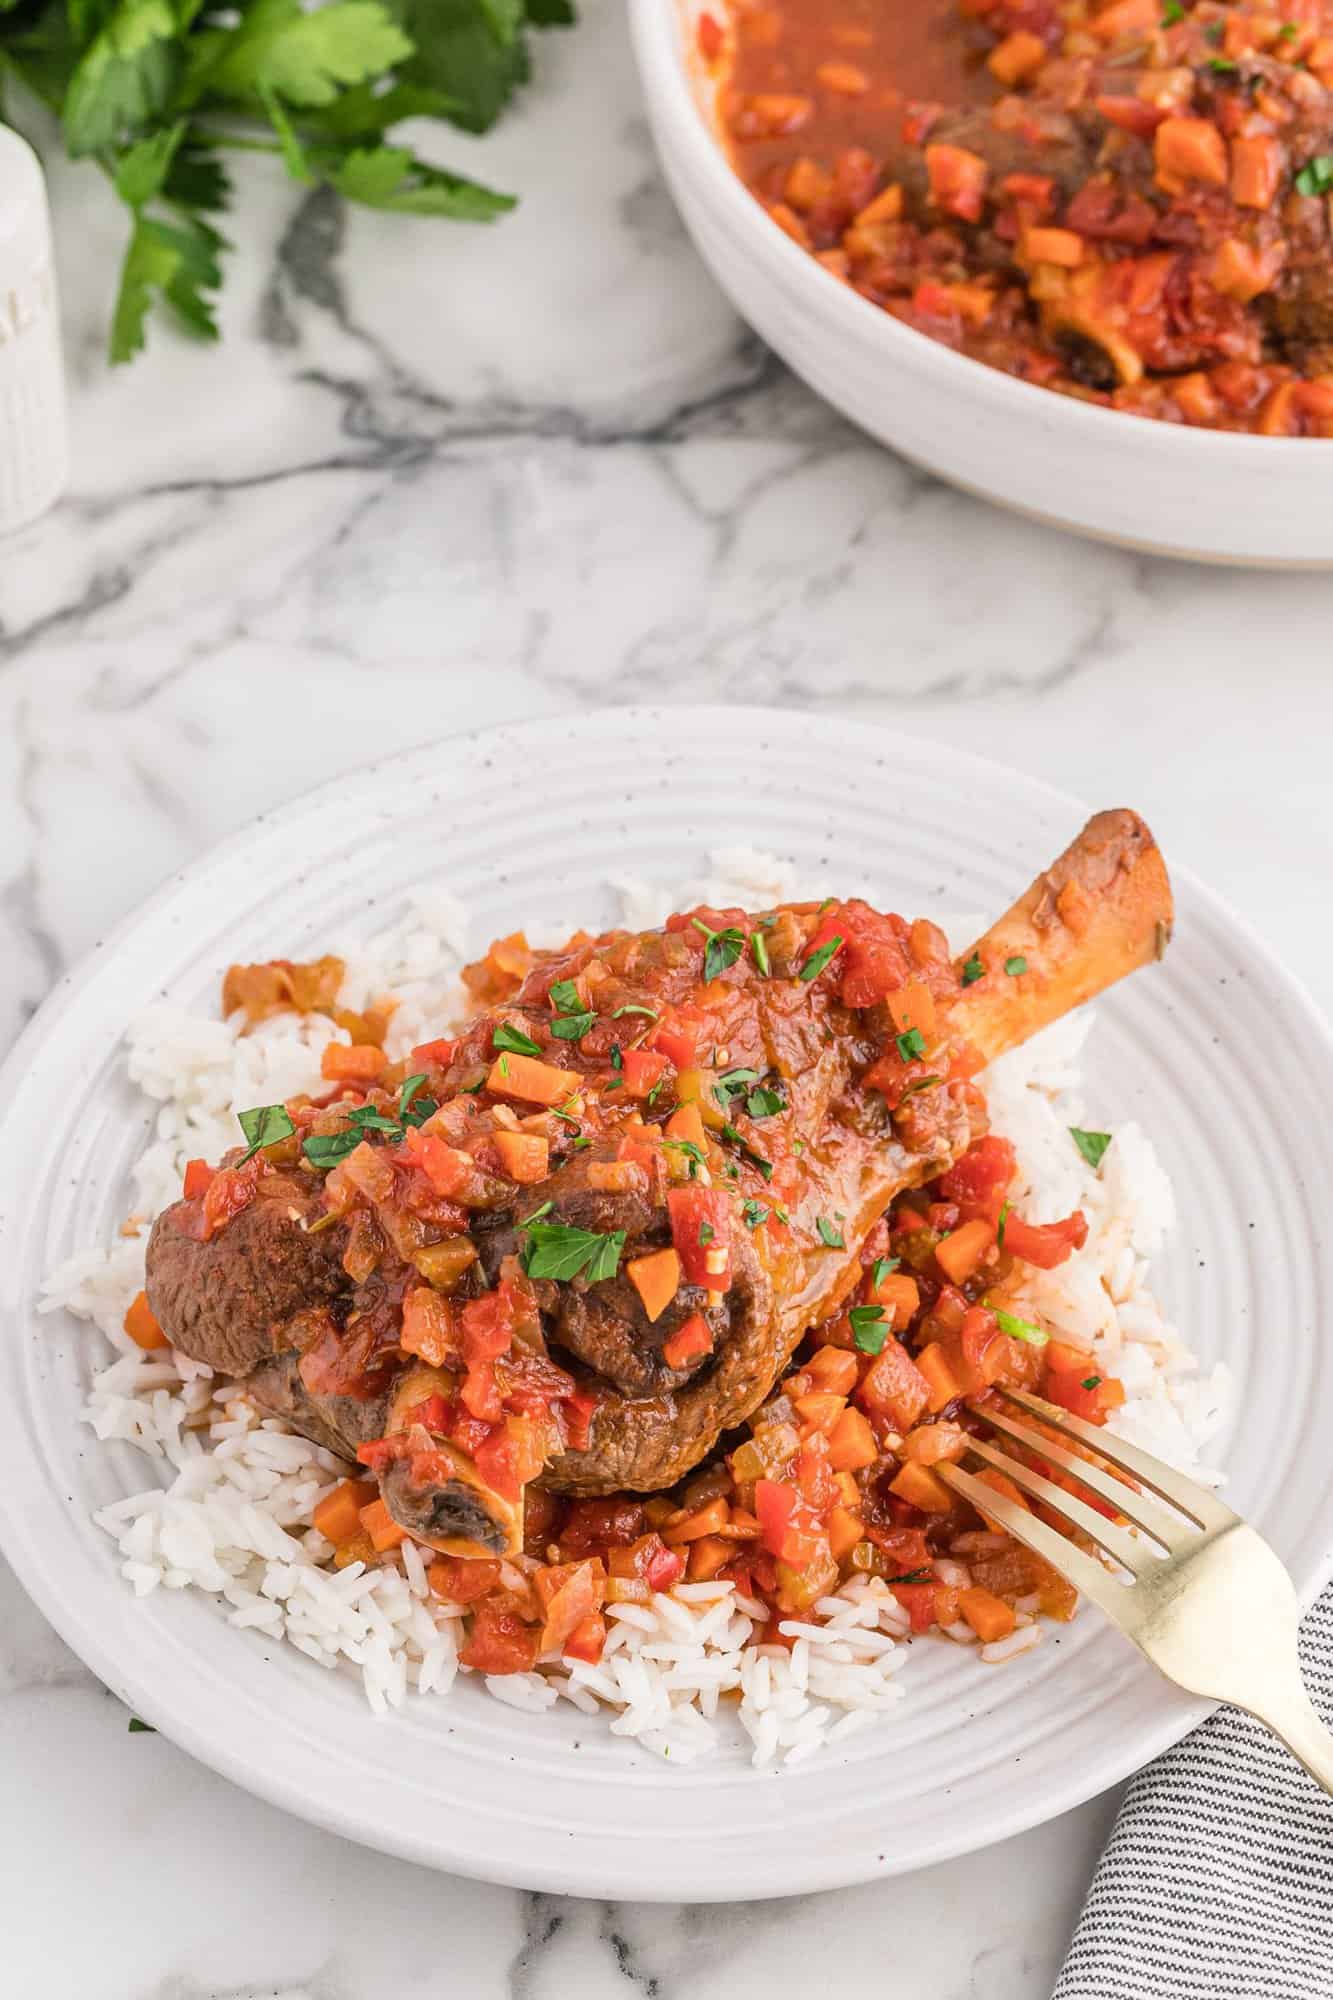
x: 1217, y: 1883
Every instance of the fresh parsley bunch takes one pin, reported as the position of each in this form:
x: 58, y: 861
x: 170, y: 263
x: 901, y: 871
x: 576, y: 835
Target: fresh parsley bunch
x: 157, y: 92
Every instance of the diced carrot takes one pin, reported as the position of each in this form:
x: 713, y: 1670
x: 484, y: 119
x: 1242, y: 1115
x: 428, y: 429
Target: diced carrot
x: 695, y: 1337
x: 524, y: 1157
x: 686, y: 1125
x: 894, y: 1386
x: 1241, y: 271
x: 141, y: 1323
x: 845, y: 1530
x: 706, y: 1520
x: 1256, y: 170
x: 887, y: 206
x: 530, y: 1081
x: 900, y: 1297
x: 1000, y: 1482
x: 913, y: 1006
x: 943, y: 1384
x: 819, y: 1411
x: 961, y: 1252
x: 656, y: 1279
x: 928, y: 1444
x: 1189, y: 149
x: 834, y: 1370
x: 843, y: 79
x: 1126, y: 17
x: 1054, y: 246
x: 806, y: 185
x: 989, y: 1616
x: 338, y: 1515
x: 957, y: 180
x: 383, y: 1530
x: 642, y: 1070
x: 919, y: 1487
x: 852, y: 1443
x: 1018, y: 57
x: 359, y: 1063
x: 707, y: 1556
x: 1062, y: 1357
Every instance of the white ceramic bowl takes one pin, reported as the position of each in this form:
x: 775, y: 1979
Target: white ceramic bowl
x: 1207, y: 494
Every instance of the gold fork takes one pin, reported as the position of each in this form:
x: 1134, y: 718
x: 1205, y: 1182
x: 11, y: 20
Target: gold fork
x: 1212, y: 1607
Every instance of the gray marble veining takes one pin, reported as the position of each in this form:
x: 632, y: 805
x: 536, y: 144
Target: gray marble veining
x: 437, y: 477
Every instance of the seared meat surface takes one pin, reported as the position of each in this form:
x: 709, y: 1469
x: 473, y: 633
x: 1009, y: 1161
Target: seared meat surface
x: 579, y: 1242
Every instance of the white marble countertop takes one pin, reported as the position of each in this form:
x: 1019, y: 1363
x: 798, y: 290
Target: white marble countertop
x: 435, y: 477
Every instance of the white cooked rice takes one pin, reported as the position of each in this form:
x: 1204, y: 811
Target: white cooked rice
x: 233, y: 1519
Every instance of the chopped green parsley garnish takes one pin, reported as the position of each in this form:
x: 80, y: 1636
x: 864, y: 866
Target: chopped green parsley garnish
x: 632, y: 1008
x: 1214, y: 32
x: 1288, y: 31
x: 973, y: 969
x: 573, y: 1019
x: 817, y: 960
x: 911, y: 1044
x: 617, y: 1060
x: 1000, y: 1225
x: 880, y: 1270
x: 1171, y: 13
x: 1091, y: 1382
x: 759, y: 948
x: 912, y: 1576
x: 1316, y: 176
x: 1014, y: 966
x: 1092, y: 1145
x: 706, y: 1232
x: 765, y: 1103
x: 1220, y: 64
x: 507, y: 1036
x: 829, y: 1233
x: 138, y: 1728
x: 754, y: 1213
x: 869, y: 1328
x: 556, y: 1251
x: 264, y: 1126
x: 564, y: 997
x: 412, y: 1108
x: 1020, y: 1329
x: 747, y: 1151
x: 722, y: 949
x: 920, y: 1083
x: 733, y: 1083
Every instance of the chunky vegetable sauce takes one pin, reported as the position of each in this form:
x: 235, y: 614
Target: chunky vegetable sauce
x: 1127, y: 202
x: 671, y: 1067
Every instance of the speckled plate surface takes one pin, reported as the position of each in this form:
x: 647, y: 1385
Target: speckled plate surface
x: 1218, y: 1053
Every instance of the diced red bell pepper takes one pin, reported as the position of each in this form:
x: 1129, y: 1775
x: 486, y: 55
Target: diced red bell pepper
x: 435, y: 1412
x: 678, y: 1035
x: 230, y: 1190
x: 978, y: 1180
x: 918, y: 1601
x: 874, y: 961
x: 1045, y: 1244
x: 693, y: 1338
x: 1093, y: 1404
x: 788, y: 1528
x: 587, y: 1639
x: 460, y: 1581
x: 500, y: 1643
x: 701, y: 1232
x: 198, y: 1179
x: 577, y: 1413
x: 711, y: 38
x: 445, y: 1167
x: 642, y: 1070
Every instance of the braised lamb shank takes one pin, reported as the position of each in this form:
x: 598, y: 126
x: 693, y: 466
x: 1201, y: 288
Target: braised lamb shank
x: 579, y: 1242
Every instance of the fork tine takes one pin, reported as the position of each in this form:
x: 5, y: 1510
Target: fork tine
x: 1202, y: 1507
x: 1117, y: 1542
x: 1165, y: 1528
x: 1083, y: 1571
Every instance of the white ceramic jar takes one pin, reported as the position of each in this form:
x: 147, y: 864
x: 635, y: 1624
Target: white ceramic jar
x: 34, y: 449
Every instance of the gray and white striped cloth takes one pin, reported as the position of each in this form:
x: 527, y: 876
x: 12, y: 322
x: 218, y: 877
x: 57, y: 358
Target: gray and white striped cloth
x: 1217, y: 1883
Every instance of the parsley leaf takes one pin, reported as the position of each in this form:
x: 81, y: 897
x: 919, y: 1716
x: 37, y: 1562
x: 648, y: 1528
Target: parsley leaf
x: 722, y: 949
x: 514, y: 1041
x: 138, y: 1728
x: 1316, y: 176
x: 880, y: 1270
x: 754, y: 1213
x: 829, y: 1233
x: 765, y: 1103
x: 1000, y: 1225
x: 759, y: 951
x: 748, y: 1152
x: 1091, y: 1382
x: 264, y: 1126
x: 572, y: 1027
x: 1092, y: 1145
x: 733, y: 1083
x: 616, y: 1012
x: 1016, y: 965
x: 706, y: 1232
x: 1171, y: 13
x: 817, y: 960
x: 869, y: 1328
x: 973, y: 969
x: 911, y: 1044
x: 125, y: 78
x: 557, y: 1251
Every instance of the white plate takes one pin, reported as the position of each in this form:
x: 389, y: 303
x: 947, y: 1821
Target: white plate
x: 1218, y: 1053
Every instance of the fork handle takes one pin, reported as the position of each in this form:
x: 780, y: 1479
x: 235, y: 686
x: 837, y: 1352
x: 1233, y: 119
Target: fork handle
x: 1291, y: 1715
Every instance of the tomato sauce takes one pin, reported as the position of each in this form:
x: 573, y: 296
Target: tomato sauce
x: 1131, y: 203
